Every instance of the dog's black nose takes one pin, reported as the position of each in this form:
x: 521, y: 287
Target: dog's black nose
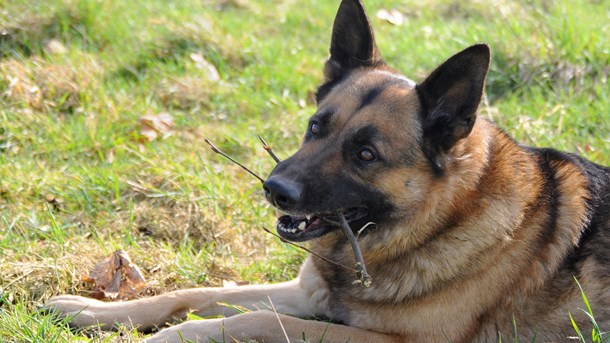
x: 284, y: 194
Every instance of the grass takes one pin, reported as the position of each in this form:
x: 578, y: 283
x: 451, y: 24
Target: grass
x: 78, y: 180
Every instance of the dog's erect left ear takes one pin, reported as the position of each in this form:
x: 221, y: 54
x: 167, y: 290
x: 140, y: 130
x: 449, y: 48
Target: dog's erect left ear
x: 352, y: 43
x: 450, y: 97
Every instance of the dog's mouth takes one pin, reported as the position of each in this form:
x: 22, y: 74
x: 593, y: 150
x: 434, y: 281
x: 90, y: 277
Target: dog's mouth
x: 303, y: 227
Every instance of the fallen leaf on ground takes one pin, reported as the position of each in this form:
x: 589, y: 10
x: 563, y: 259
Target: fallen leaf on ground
x: 393, y: 16
x: 156, y: 126
x: 201, y: 63
x: 55, y: 47
x: 116, y: 277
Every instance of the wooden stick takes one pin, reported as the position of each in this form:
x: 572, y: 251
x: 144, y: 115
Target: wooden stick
x: 363, y: 275
x: 268, y: 149
x: 216, y: 150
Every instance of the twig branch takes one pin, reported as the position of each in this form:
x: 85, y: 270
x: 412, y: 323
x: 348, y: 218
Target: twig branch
x: 309, y: 251
x: 364, y: 228
x: 269, y: 149
x: 216, y: 150
x: 278, y: 319
x: 363, y: 275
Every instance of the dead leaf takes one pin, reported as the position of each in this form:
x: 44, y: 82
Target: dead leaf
x: 110, y: 155
x: 156, y: 126
x: 392, y: 16
x: 54, y: 47
x: 116, y: 277
x: 55, y: 202
x: 201, y: 63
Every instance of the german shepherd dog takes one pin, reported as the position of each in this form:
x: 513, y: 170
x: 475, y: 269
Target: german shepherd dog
x: 476, y: 237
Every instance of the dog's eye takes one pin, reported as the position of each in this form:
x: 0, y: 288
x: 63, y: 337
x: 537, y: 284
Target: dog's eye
x: 314, y: 128
x: 366, y: 155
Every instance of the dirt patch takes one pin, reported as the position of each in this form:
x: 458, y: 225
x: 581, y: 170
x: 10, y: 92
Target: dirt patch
x: 44, y: 86
x: 175, y: 222
x: 186, y: 93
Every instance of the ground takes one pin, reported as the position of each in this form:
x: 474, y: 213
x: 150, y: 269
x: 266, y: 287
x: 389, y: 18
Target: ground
x: 104, y: 106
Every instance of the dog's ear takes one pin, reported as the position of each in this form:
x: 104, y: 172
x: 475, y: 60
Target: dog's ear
x: 450, y: 96
x: 352, y: 43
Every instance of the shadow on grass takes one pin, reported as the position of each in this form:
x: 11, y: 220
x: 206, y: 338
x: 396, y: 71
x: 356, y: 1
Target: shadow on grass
x: 510, y: 74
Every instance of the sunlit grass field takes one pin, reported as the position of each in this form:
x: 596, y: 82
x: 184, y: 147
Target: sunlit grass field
x: 81, y: 80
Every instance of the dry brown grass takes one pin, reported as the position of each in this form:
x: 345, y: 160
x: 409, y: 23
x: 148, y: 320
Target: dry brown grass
x: 187, y: 92
x: 43, y: 86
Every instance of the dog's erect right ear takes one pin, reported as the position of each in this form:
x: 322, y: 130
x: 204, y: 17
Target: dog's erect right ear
x: 352, y: 43
x: 450, y: 97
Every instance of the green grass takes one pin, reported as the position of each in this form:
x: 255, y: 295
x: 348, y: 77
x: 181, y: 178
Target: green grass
x: 77, y: 180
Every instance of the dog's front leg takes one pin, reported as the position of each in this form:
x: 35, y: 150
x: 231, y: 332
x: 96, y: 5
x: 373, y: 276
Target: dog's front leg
x: 304, y: 296
x: 267, y: 326
x: 146, y: 313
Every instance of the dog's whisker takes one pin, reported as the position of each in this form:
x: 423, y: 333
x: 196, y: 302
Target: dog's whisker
x: 218, y: 151
x: 309, y: 251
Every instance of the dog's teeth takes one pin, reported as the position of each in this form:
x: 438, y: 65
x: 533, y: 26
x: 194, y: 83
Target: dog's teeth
x: 302, y: 226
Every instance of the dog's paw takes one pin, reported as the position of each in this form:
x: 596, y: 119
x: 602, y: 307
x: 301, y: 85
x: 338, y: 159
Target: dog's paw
x: 81, y: 311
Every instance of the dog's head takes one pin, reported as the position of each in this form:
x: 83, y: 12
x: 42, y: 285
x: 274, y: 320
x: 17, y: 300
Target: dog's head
x: 377, y: 140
